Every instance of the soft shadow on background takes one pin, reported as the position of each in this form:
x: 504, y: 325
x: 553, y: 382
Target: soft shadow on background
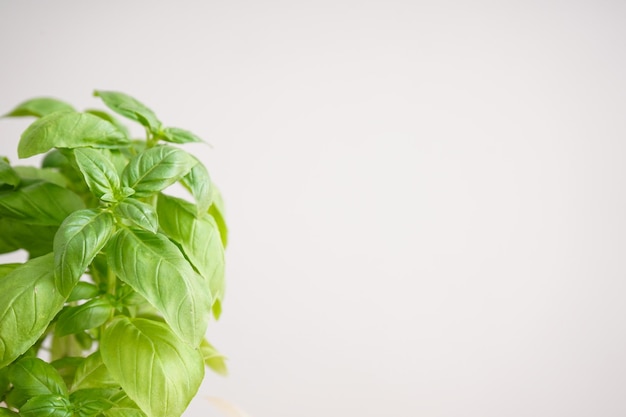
x: 426, y: 199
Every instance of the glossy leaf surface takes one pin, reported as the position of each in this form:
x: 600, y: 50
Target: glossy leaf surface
x: 68, y: 129
x: 199, y: 238
x: 28, y: 302
x: 198, y: 182
x: 155, y: 169
x: 40, y: 203
x: 79, y: 239
x: 109, y: 118
x: 43, y: 174
x: 86, y: 316
x: 92, y: 373
x: 37, y: 240
x: 154, y: 267
x: 160, y: 374
x: 91, y: 402
x: 32, y: 377
x: 138, y: 214
x: 8, y: 176
x: 47, y: 405
x: 99, y: 172
x: 83, y: 290
x: 218, y: 212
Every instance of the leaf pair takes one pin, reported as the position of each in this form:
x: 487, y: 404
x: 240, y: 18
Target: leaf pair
x: 133, y: 109
x: 146, y: 174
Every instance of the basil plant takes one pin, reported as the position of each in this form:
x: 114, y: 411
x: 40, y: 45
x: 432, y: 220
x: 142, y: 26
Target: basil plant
x: 108, y: 316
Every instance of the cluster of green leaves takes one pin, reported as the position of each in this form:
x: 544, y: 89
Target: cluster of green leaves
x: 121, y: 279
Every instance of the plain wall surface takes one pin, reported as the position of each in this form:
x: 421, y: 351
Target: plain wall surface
x: 426, y: 199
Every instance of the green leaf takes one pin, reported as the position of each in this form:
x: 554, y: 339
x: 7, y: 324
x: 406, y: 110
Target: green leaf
x: 198, y: 237
x: 212, y: 358
x: 123, y: 407
x: 83, y: 291
x: 37, y: 240
x: 198, y: 182
x: 33, y: 377
x: 40, y: 203
x: 129, y: 107
x: 154, y: 267
x: 91, y: 402
x: 5, y: 383
x: 67, y: 129
x: 28, y: 302
x: 217, y: 211
x: 86, y: 316
x: 109, y: 118
x: 99, y: 172
x: 6, y: 268
x: 67, y: 366
x: 155, y: 169
x: 47, y: 405
x: 43, y: 174
x: 138, y: 214
x: 54, y: 159
x: 8, y: 176
x: 63, y: 346
x: 92, y: 373
x: 39, y: 107
x: 160, y: 374
x: 79, y: 239
x: 176, y: 135
x: 84, y: 340
x: 7, y: 413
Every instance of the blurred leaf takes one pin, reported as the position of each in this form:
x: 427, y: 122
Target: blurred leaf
x: 176, y: 135
x: 39, y: 107
x: 198, y: 182
x: 43, y: 174
x: 212, y: 358
x: 7, y: 413
x: 8, y: 176
x: 67, y: 366
x: 37, y: 240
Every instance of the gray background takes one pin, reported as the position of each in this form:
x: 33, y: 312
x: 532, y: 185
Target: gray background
x: 426, y: 199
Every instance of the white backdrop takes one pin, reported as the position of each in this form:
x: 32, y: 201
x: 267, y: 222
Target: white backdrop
x: 426, y: 199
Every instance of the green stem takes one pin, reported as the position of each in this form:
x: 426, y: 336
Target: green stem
x: 111, y: 282
x: 151, y: 140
